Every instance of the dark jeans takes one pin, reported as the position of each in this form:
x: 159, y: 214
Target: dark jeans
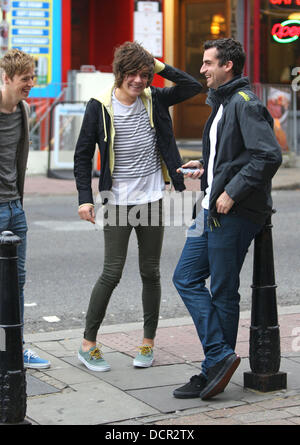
x: 219, y: 254
x: 116, y: 238
x: 12, y: 218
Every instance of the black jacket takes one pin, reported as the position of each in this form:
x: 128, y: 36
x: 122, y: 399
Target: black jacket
x: 247, y: 152
x: 97, y: 127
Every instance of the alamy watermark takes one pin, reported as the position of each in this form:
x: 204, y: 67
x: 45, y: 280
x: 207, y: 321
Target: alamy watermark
x: 175, y: 209
x: 296, y: 340
x: 296, y: 80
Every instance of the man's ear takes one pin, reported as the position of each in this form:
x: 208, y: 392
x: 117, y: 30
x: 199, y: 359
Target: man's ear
x: 229, y: 66
x: 5, y: 78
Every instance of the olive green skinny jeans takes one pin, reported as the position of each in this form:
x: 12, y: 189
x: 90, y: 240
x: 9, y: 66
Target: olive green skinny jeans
x: 150, y: 232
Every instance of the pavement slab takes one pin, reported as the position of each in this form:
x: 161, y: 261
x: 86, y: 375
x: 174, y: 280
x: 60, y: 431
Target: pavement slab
x: 133, y: 396
x: 91, y: 403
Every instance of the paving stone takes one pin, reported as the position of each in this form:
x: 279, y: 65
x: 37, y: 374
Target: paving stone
x: 263, y: 416
x: 198, y: 419
x: 295, y: 420
x: 280, y: 402
x: 231, y: 411
x: 36, y: 387
x: 62, y: 348
x: 275, y: 422
x: 161, y: 398
x: 70, y: 375
x: 295, y: 410
x: 89, y: 404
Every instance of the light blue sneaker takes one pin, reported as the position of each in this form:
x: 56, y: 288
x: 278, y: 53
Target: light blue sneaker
x: 33, y: 361
x: 93, y: 359
x: 145, y: 357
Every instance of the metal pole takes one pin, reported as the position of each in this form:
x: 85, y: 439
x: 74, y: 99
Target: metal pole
x: 12, y: 372
x: 264, y: 352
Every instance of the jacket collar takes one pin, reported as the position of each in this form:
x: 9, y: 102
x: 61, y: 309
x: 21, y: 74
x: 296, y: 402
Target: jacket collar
x: 105, y: 98
x: 106, y: 95
x: 222, y: 94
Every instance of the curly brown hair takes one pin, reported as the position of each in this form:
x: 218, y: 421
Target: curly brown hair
x: 130, y: 58
x: 16, y: 62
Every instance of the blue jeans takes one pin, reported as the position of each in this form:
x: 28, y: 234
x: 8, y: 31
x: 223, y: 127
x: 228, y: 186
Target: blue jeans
x: 219, y: 254
x: 12, y: 218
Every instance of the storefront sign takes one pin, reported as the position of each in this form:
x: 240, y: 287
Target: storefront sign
x: 285, y: 4
x: 148, y: 26
x: 287, y: 31
x: 35, y: 28
x: 31, y: 32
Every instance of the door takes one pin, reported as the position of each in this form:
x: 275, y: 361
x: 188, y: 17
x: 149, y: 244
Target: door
x: 197, y: 21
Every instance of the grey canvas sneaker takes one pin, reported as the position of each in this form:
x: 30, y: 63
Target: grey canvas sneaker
x: 93, y: 359
x: 144, y: 358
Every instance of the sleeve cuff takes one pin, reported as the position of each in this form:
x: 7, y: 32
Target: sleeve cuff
x: 86, y: 204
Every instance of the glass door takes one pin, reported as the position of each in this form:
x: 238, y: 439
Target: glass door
x: 199, y: 20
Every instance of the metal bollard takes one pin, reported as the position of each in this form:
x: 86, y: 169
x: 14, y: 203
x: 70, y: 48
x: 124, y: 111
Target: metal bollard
x: 264, y: 351
x: 12, y: 373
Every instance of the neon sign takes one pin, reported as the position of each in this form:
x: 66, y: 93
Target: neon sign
x: 285, y: 33
x: 285, y: 3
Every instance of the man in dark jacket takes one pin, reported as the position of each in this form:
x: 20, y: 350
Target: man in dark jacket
x: 132, y: 126
x: 240, y: 157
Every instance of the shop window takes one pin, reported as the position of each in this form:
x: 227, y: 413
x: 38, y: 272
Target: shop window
x: 204, y: 21
x: 280, y: 37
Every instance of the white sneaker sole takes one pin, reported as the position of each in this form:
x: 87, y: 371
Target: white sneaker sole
x: 138, y: 364
x: 37, y: 366
x: 91, y: 367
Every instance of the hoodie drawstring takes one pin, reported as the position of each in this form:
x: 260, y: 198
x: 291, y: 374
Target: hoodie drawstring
x: 104, y: 124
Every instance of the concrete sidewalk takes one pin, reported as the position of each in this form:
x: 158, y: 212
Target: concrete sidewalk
x: 69, y: 394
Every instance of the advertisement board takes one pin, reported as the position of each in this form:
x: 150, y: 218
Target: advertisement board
x: 35, y: 28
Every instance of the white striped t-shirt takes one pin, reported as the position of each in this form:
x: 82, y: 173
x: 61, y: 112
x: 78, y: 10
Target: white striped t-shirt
x: 137, y: 176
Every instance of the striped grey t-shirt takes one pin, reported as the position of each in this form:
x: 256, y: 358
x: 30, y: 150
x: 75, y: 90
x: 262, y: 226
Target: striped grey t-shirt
x: 137, y: 173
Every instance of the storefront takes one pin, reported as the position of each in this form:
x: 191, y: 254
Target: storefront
x: 279, y: 64
x: 67, y: 36
x: 188, y: 24
x: 280, y: 32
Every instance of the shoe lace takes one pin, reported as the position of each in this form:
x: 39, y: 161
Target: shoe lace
x: 194, y: 377
x: 145, y: 349
x: 197, y: 379
x: 96, y: 354
x: 29, y: 353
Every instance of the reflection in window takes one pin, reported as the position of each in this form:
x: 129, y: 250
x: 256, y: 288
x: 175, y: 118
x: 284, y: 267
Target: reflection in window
x: 204, y: 21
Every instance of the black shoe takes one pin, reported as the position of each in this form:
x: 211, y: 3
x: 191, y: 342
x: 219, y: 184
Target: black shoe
x: 219, y: 375
x: 191, y: 389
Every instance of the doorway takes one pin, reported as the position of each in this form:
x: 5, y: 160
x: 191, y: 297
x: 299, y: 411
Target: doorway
x: 196, y: 22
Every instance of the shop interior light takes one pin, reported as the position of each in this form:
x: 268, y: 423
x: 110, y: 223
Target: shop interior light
x: 294, y: 16
x: 217, y: 24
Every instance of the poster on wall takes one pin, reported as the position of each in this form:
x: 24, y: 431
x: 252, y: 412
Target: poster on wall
x: 35, y: 28
x: 148, y: 26
x: 278, y: 104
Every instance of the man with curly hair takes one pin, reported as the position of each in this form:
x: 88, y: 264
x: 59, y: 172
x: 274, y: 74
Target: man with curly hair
x: 132, y: 126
